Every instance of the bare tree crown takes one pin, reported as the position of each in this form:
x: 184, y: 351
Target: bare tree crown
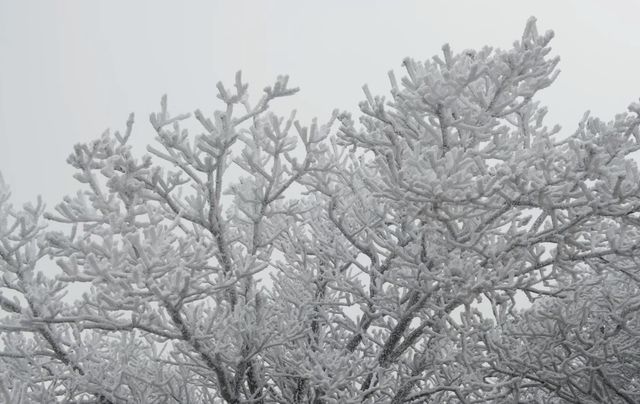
x: 447, y: 247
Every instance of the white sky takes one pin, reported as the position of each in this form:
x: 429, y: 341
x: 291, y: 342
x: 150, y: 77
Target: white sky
x: 70, y: 69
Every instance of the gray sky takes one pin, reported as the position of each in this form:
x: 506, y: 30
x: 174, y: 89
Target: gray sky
x: 71, y: 69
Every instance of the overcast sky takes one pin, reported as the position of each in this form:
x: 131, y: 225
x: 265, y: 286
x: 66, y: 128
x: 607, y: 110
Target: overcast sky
x: 71, y: 69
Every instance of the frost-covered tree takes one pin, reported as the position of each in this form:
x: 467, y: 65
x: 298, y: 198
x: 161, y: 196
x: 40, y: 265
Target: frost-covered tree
x: 263, y: 261
x: 579, y: 346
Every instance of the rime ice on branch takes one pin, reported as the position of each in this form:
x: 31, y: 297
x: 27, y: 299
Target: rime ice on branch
x: 389, y: 261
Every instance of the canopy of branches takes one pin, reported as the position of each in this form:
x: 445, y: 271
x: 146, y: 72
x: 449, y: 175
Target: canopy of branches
x: 447, y: 247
